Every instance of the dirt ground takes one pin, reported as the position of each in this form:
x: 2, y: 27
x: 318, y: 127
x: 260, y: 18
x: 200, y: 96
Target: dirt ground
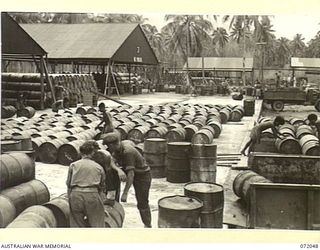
x: 230, y: 141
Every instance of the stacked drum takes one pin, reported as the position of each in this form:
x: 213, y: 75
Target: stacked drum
x: 19, y: 190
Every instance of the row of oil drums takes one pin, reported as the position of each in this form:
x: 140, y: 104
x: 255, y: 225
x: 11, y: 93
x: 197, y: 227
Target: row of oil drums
x: 176, y: 127
x: 25, y: 202
x: 74, y: 127
x: 299, y: 138
x: 72, y: 82
x: 182, y: 123
x: 52, y: 214
x: 201, y: 206
x: 10, y: 111
x: 13, y: 84
x: 295, y: 122
x: 204, y: 90
x: 242, y: 184
x: 61, y: 147
x: 181, y: 162
x: 45, y: 134
x: 75, y: 85
x: 19, y: 188
x: 127, y: 83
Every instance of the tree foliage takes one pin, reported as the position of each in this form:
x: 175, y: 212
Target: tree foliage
x: 198, y: 35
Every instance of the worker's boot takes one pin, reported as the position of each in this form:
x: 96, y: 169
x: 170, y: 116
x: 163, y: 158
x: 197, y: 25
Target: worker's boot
x: 146, y: 217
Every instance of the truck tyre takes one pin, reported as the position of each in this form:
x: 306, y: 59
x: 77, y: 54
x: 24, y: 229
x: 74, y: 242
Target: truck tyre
x: 277, y: 105
x: 317, y: 105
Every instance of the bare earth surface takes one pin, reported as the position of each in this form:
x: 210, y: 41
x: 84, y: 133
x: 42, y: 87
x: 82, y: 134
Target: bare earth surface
x: 230, y: 141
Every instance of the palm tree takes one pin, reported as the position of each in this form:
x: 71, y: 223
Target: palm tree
x: 155, y: 39
x: 313, y: 49
x: 149, y: 29
x: 220, y: 38
x: 140, y: 19
x: 187, y: 33
x: 70, y: 18
x: 125, y: 18
x: 297, y: 45
x: 240, y: 25
x: 31, y: 17
x: 101, y: 18
x: 263, y: 43
x: 238, y: 32
x: 117, y: 18
x: 263, y: 31
x: 283, y: 50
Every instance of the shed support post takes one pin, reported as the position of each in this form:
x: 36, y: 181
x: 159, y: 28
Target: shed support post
x: 36, y: 63
x: 252, y: 76
x: 106, y: 84
x: 41, y: 85
x: 202, y: 66
x: 129, y: 70
x: 72, y: 68
x: 145, y: 72
x: 293, y: 75
x: 43, y: 64
x: 114, y: 79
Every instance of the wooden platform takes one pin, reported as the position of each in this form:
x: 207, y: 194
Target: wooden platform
x: 300, y: 169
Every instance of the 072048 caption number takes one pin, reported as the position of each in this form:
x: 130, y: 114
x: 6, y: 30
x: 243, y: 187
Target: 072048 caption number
x: 309, y: 246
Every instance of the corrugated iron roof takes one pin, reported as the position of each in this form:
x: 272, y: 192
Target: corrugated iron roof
x: 86, y: 41
x: 219, y: 63
x: 297, y: 62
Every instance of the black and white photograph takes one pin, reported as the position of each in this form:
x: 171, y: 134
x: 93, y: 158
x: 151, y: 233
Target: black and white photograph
x: 128, y: 120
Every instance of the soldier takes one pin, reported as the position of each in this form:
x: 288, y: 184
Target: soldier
x: 106, y: 120
x: 258, y: 129
x: 315, y: 124
x: 21, y: 101
x: 86, y: 184
x: 113, y: 175
x: 138, y: 173
x: 61, y: 104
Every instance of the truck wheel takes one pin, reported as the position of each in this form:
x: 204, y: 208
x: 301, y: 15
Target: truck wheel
x: 317, y: 105
x: 277, y: 105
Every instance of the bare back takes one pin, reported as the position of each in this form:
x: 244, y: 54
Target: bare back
x: 265, y: 125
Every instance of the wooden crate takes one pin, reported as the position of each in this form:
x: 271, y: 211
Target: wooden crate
x: 284, y: 206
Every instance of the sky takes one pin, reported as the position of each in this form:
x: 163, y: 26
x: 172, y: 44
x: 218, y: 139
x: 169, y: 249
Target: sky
x: 284, y: 25
x: 290, y: 16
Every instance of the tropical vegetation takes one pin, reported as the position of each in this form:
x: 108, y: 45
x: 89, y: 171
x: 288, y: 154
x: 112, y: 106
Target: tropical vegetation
x: 199, y: 35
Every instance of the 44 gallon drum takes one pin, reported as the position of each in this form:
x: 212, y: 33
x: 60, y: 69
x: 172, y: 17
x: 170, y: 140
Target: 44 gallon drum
x: 212, y: 196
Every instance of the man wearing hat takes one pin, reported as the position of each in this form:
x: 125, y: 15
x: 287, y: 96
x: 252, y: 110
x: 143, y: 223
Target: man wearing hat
x: 138, y: 173
x: 86, y: 183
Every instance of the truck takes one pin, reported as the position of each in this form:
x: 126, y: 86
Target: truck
x: 278, y: 97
